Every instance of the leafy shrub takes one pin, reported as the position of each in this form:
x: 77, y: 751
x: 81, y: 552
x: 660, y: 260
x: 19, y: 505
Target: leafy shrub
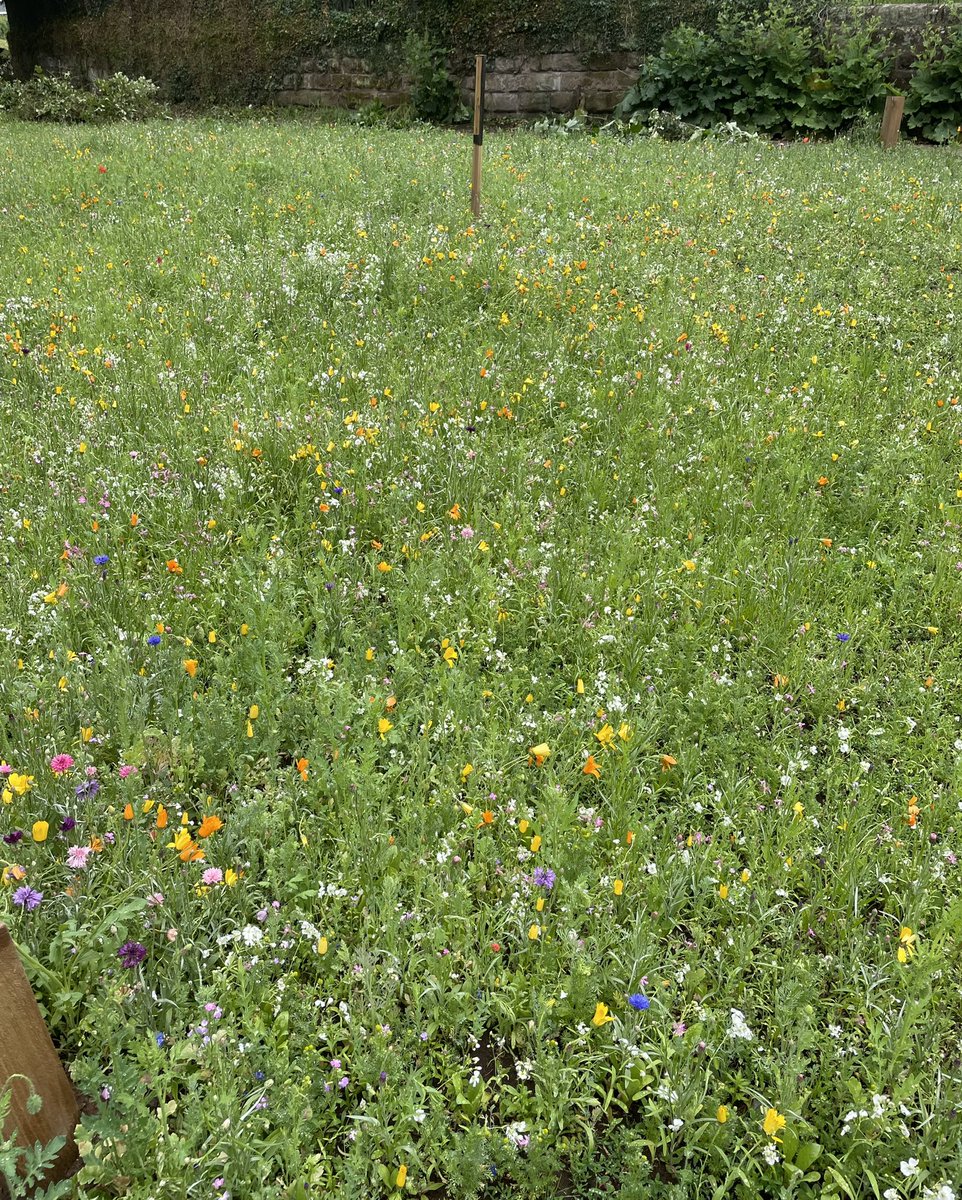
x: 118, y: 98
x: 55, y: 98
x: 434, y: 93
x: 768, y: 75
x: 934, y: 102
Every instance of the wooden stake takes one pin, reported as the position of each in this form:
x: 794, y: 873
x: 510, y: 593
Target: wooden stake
x: 28, y: 1054
x: 478, y: 135
x: 891, y: 120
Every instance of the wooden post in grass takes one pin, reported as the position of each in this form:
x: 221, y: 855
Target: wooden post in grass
x: 478, y: 135
x: 29, y: 1066
x: 891, y: 120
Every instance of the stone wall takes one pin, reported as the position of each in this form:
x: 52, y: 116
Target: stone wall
x: 518, y: 86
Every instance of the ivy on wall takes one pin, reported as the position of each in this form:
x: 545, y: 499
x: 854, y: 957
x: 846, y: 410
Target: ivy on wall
x: 237, y: 51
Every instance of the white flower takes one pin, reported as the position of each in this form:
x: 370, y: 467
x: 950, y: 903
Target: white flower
x: 909, y: 1167
x: 943, y: 1192
x: 770, y: 1154
x: 251, y: 935
x: 890, y: 1194
x: 739, y: 1026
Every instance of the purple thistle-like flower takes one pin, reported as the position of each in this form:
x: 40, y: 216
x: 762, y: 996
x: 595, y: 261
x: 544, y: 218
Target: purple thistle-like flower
x: 544, y: 877
x: 87, y: 791
x: 67, y: 824
x: 27, y: 898
x: 14, y: 836
x: 131, y: 954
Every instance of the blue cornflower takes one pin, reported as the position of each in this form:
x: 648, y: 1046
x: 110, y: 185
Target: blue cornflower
x: 544, y: 877
x: 160, y: 1039
x: 639, y: 1002
x: 844, y: 637
x: 102, y: 559
x: 154, y: 639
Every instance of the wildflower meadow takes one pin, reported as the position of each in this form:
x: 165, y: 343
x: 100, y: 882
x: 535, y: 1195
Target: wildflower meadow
x: 481, y: 702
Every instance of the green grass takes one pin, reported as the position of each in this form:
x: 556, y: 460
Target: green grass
x: 667, y: 451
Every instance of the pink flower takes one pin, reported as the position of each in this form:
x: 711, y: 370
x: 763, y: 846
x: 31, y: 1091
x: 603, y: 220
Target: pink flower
x: 156, y: 899
x: 60, y: 764
x: 77, y: 857
x: 125, y: 771
x: 211, y: 876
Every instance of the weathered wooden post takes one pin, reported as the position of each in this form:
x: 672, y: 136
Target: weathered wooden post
x: 891, y: 120
x: 29, y: 1065
x: 478, y: 135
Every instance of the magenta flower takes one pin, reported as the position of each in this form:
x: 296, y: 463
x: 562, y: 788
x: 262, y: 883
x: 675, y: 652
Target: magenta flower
x: 60, y: 764
x: 126, y: 770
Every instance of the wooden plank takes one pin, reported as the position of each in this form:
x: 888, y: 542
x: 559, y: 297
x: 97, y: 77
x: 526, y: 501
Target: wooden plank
x: 891, y: 120
x: 27, y: 1054
x: 478, y: 135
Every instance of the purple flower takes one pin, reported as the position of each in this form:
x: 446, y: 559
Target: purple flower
x: 544, y: 877
x: 87, y: 791
x: 14, y: 836
x: 102, y: 559
x: 639, y: 1001
x: 844, y: 637
x: 154, y: 639
x: 27, y: 898
x: 131, y: 954
x: 67, y: 824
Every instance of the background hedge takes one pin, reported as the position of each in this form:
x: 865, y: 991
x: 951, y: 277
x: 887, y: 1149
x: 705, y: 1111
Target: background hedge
x: 237, y: 51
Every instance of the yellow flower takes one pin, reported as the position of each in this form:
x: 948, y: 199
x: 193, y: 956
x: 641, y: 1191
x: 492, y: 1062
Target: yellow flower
x: 774, y: 1122
x: 619, y: 886
x: 602, y: 1015
x: 402, y: 1175
x: 384, y: 567
x: 906, y: 944
x: 536, y: 843
x: 230, y: 877
x: 384, y: 726
x: 466, y: 771
x: 7, y: 796
x: 322, y: 946
x: 212, y: 636
x: 448, y: 652
x: 190, y: 666
x: 606, y: 735
x: 721, y: 1114
x: 20, y: 784
x: 624, y: 731
x: 539, y: 754
x: 723, y: 891
x: 40, y: 831
x: 580, y: 687
x: 534, y: 933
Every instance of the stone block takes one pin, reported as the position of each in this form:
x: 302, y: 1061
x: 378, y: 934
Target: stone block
x: 495, y: 82
x: 542, y: 81
x: 557, y: 62
x: 505, y: 65
x: 503, y: 102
